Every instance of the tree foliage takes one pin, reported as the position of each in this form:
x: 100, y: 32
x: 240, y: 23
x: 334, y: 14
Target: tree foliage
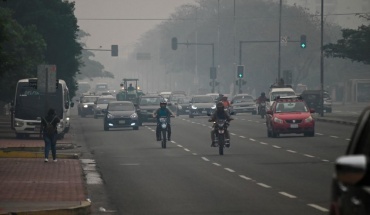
x: 354, y: 45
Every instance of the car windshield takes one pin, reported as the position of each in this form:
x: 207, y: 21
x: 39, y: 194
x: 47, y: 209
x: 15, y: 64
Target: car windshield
x: 88, y: 99
x: 150, y: 101
x: 281, y: 94
x: 121, y: 107
x: 287, y: 107
x: 101, y: 87
x: 105, y: 100
x: 184, y: 100
x: 176, y: 97
x: 203, y: 99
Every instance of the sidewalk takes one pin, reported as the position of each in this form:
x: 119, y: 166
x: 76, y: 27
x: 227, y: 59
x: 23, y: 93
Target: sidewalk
x: 28, y: 185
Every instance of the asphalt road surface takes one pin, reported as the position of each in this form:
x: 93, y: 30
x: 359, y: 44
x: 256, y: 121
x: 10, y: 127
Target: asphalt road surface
x: 257, y: 175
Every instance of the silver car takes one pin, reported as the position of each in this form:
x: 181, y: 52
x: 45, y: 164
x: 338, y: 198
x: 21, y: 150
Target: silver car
x: 101, y: 104
x: 201, y: 105
x: 243, y: 103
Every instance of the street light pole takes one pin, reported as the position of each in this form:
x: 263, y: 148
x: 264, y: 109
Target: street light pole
x: 279, y: 55
x: 322, y: 59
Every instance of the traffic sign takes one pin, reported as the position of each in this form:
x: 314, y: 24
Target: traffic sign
x: 46, y: 78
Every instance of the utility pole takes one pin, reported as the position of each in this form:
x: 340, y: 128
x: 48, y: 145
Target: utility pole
x: 279, y: 55
x: 322, y: 59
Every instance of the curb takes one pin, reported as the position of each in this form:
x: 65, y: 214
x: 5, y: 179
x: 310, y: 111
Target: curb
x: 82, y: 208
x: 336, y: 121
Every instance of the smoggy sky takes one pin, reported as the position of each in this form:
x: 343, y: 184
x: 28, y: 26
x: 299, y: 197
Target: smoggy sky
x: 124, y: 33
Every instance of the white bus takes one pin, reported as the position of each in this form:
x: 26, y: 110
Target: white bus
x: 30, y: 105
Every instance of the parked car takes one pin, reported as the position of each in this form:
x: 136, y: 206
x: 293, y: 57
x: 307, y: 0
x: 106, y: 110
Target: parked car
x: 244, y: 103
x: 120, y: 114
x: 313, y: 99
x: 146, y: 106
x: 289, y: 115
x: 351, y: 180
x: 201, y: 105
x: 86, y: 105
x: 100, y: 104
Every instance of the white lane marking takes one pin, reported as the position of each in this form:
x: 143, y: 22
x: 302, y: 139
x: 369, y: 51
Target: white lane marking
x: 288, y: 195
x: 179, y: 146
x: 319, y: 134
x: 318, y: 208
x: 264, y: 123
x: 209, y: 126
x: 264, y: 143
x: 334, y: 136
x: 233, y: 134
x: 242, y: 137
x: 91, y: 174
x: 291, y: 151
x: 249, y: 120
x: 264, y: 185
x: 278, y: 147
x: 204, y: 125
x: 205, y: 159
x: 245, y: 177
x: 216, y: 164
x: 243, y: 119
x: 186, y: 149
x: 257, y: 121
x: 325, y: 160
x: 310, y: 156
x: 195, y: 154
x: 173, y: 141
x: 230, y: 170
x: 130, y: 164
x: 251, y: 139
x: 348, y: 139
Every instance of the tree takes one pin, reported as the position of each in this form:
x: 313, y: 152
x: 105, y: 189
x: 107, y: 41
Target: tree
x: 21, y: 50
x: 56, y: 22
x: 354, y: 45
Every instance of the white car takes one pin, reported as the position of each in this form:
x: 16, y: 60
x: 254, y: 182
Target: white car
x: 101, y: 104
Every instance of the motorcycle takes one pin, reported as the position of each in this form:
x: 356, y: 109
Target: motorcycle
x: 262, y: 109
x: 163, y: 125
x: 220, y: 131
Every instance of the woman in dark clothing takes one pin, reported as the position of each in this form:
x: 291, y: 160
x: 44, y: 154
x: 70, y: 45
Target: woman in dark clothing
x: 49, y: 131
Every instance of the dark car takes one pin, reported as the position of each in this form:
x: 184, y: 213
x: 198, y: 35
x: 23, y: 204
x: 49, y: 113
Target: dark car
x: 201, y: 105
x: 86, y: 105
x: 182, y: 106
x: 290, y: 115
x: 147, y: 105
x: 350, y: 185
x: 313, y: 99
x: 120, y: 114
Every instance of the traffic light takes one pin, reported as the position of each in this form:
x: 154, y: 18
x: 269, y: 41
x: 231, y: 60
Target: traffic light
x: 174, y: 43
x: 303, y: 41
x: 240, y: 71
x: 213, y: 73
x: 114, y: 50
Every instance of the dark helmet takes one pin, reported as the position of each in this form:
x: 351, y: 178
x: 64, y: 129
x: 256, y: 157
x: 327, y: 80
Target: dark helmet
x: 163, y: 104
x: 220, y: 106
x: 262, y: 94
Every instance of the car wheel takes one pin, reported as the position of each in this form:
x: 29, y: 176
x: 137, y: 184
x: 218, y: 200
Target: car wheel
x: 274, y: 134
x: 254, y: 112
x: 82, y: 114
x: 191, y: 116
x: 135, y: 128
x: 269, y: 133
x: 140, y: 123
x: 95, y: 116
x: 106, y: 128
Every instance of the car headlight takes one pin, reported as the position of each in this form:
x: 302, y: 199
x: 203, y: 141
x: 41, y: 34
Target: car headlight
x: 60, y: 125
x: 110, y: 116
x: 18, y: 123
x: 193, y: 107
x: 133, y: 116
x: 85, y: 106
x: 277, y: 120
x: 67, y: 118
x: 214, y: 106
x: 309, y: 119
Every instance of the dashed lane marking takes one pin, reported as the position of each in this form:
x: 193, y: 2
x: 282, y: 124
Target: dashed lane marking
x: 251, y: 139
x: 264, y: 185
x: 291, y: 151
x: 310, y: 156
x: 275, y: 146
x: 186, y: 149
x: 264, y: 143
x: 205, y: 159
x: 230, y: 170
x: 318, y: 208
x: 288, y: 195
x: 216, y: 164
x: 233, y: 134
x: 242, y: 137
x: 245, y: 177
x: 179, y: 146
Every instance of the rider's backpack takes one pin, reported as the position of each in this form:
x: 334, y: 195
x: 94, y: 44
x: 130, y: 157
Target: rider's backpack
x: 50, y: 129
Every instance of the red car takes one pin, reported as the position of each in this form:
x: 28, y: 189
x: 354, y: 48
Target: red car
x: 290, y: 115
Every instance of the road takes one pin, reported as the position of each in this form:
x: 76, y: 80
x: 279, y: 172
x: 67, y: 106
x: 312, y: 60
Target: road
x: 257, y: 175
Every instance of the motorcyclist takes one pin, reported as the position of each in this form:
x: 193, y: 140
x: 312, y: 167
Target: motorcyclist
x: 220, y: 113
x: 219, y: 98
x: 225, y: 102
x: 163, y: 111
x: 261, y: 99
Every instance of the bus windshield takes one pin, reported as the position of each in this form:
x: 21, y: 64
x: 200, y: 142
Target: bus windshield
x: 31, y: 104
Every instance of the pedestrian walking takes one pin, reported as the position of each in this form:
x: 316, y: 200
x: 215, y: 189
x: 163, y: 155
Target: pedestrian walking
x: 50, y: 134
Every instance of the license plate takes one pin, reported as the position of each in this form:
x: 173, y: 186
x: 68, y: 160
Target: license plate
x: 121, y: 121
x: 204, y: 111
x: 293, y: 125
x: 187, y: 111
